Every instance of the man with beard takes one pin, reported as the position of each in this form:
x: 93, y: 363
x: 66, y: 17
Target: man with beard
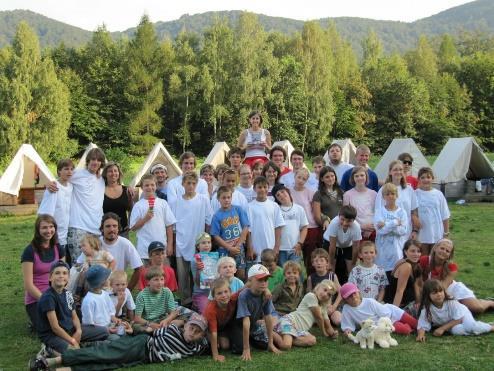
x: 122, y: 249
x: 335, y: 153
x: 160, y: 173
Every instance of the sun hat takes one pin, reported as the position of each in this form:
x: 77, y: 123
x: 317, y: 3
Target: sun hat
x: 96, y: 276
x: 258, y: 271
x: 348, y: 289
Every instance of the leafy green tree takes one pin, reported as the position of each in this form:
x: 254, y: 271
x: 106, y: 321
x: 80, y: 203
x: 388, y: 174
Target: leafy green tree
x: 144, y: 88
x: 422, y: 61
x: 448, y: 58
x: 477, y: 74
x: 35, y: 103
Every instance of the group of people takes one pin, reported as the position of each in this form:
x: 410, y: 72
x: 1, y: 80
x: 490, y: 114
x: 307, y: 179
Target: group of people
x: 290, y: 249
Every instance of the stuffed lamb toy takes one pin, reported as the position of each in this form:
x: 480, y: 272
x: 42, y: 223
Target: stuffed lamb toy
x: 382, y: 333
x: 365, y: 336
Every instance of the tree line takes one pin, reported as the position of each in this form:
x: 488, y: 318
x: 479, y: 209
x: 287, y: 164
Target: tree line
x: 198, y: 89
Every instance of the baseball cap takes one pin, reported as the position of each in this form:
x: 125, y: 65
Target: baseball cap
x: 96, y: 276
x: 59, y: 263
x: 198, y: 320
x: 258, y: 271
x: 348, y: 289
x: 158, y: 166
x: 155, y: 245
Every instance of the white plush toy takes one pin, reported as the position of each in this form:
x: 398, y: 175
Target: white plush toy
x: 365, y: 336
x: 382, y: 333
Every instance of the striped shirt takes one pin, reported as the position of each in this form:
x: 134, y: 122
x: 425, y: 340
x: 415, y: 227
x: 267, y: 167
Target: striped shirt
x: 168, y: 344
x: 154, y: 307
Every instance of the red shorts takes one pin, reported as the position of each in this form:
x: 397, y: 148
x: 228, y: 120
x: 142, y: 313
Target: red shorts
x: 250, y: 160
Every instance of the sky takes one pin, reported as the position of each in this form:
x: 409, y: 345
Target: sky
x: 119, y: 15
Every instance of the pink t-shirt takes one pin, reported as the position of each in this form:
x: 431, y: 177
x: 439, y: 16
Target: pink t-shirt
x: 304, y: 199
x: 364, y: 202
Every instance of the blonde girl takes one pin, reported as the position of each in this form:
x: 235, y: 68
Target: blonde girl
x: 294, y: 327
x: 92, y: 255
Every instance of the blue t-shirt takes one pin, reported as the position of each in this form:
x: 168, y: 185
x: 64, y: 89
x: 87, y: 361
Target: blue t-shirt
x: 228, y: 224
x: 253, y: 306
x: 62, y: 304
x: 373, y: 181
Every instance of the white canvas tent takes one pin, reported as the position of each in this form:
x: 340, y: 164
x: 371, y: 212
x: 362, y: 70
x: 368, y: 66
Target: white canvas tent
x: 397, y: 147
x: 26, y: 171
x: 460, y: 163
x: 218, y: 154
x: 348, y: 151
x: 288, y: 148
x: 82, y: 161
x: 160, y: 155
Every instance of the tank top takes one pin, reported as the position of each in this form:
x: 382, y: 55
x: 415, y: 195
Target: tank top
x: 41, y: 275
x: 255, y: 138
x: 119, y: 206
x: 316, y: 279
x: 408, y: 293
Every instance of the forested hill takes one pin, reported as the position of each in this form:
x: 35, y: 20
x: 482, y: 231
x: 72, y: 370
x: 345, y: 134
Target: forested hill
x: 395, y: 36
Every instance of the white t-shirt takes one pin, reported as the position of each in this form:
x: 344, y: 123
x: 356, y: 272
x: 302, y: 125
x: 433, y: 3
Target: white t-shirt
x: 304, y: 199
x: 390, y: 238
x: 155, y: 228
x: 128, y: 303
x: 340, y: 169
x: 302, y: 318
x: 248, y: 193
x: 451, y: 310
x: 295, y: 219
x: 343, y: 238
x: 97, y: 309
x: 264, y: 217
x: 86, y: 208
x: 312, y: 182
x: 57, y: 204
x: 369, y: 308
x: 176, y: 190
x: 406, y: 200
x: 238, y: 199
x: 433, y: 209
x: 288, y: 179
x: 124, y: 253
x: 192, y: 216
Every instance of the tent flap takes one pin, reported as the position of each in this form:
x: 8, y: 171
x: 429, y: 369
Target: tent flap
x: 218, y: 154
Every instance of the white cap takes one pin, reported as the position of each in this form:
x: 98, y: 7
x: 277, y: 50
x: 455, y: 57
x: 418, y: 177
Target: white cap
x: 258, y: 271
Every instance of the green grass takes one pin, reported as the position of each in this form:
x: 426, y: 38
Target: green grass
x: 473, y: 235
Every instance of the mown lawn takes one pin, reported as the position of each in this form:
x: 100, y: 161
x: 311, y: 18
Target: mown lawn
x: 472, y: 230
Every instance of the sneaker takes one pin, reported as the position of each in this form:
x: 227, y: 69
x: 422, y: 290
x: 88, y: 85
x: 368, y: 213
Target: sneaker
x: 38, y: 364
x: 42, y: 351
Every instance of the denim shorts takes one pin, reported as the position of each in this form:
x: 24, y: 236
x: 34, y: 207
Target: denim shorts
x: 239, y: 259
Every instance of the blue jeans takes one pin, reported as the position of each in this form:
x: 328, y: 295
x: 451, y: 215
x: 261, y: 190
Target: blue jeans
x: 286, y: 255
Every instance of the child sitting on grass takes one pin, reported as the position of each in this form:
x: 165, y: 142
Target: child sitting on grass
x: 268, y: 259
x: 155, y: 305
x: 121, y: 296
x: 163, y: 345
x: 288, y: 295
x: 370, y: 279
x: 220, y: 312
x: 252, y: 305
x: 320, y: 262
x: 358, y: 309
x: 294, y: 327
x: 97, y: 308
x: 200, y: 291
x: 59, y: 328
x: 446, y: 314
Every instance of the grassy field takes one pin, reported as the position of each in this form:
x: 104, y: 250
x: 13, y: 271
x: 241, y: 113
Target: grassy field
x: 471, y: 230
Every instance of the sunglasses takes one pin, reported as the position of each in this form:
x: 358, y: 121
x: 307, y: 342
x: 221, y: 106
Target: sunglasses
x: 406, y: 162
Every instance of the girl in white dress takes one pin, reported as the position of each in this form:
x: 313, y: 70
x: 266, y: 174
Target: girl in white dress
x: 446, y: 314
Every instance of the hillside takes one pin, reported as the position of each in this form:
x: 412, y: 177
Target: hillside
x: 396, y: 36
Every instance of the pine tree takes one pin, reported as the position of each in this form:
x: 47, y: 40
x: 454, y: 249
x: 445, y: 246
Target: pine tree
x: 144, y: 88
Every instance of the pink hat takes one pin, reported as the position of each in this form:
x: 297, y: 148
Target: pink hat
x: 348, y: 289
x: 258, y: 271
